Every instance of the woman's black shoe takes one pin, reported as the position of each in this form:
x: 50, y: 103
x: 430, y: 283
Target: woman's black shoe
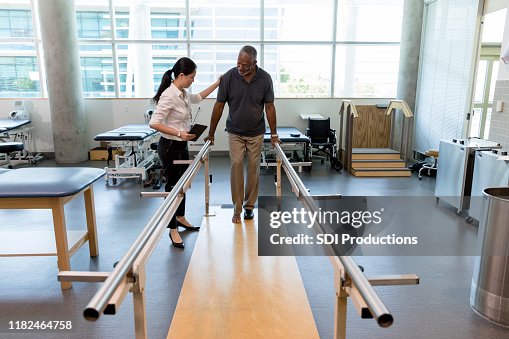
x: 176, y: 244
x: 189, y: 228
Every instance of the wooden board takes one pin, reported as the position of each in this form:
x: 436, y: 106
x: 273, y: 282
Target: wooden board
x: 231, y: 292
x: 36, y: 243
x: 381, y: 172
x: 378, y: 164
x: 372, y: 128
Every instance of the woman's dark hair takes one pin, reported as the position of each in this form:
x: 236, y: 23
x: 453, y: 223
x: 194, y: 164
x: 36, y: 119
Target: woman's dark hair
x: 183, y: 65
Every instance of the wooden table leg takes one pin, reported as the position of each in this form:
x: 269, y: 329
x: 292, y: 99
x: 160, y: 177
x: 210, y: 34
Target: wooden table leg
x: 91, y: 226
x: 64, y: 262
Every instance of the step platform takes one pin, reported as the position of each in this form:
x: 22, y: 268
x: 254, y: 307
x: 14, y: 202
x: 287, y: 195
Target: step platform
x: 378, y: 162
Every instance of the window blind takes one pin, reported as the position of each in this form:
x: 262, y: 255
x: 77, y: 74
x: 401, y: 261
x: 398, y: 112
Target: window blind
x: 445, y: 71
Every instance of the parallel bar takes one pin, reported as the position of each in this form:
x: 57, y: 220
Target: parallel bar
x: 361, y: 283
x: 100, y: 300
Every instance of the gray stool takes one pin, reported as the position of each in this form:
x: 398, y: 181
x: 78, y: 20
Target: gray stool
x: 7, y: 148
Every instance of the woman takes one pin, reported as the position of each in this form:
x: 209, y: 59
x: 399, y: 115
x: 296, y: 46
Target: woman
x: 172, y: 118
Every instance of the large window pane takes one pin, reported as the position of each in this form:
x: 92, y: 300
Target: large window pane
x: 19, y: 77
x: 93, y: 25
x: 150, y: 19
x: 368, y: 20
x: 16, y: 23
x: 97, y: 70
x: 494, y: 74
x: 163, y: 58
x: 480, y: 81
x: 366, y: 71
x: 213, y: 60
x: 300, y: 71
x: 225, y: 20
x: 93, y: 19
x: 141, y: 67
x: 487, y: 124
x: 309, y: 20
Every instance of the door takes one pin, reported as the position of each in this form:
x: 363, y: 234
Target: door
x: 487, y: 71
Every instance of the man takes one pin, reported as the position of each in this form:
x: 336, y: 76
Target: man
x: 248, y: 90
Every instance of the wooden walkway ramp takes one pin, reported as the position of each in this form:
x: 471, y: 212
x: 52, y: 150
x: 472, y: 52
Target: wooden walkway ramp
x: 231, y: 292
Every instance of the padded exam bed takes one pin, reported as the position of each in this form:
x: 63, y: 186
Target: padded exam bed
x: 137, y: 158
x: 48, y: 188
x: 16, y: 142
x: 294, y: 143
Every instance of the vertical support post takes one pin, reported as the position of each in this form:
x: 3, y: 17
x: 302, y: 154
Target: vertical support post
x: 340, y: 308
x: 91, y: 226
x: 62, y: 60
x: 207, y: 185
x: 341, y: 153
x: 63, y: 261
x: 138, y: 290
x: 278, y: 176
x: 349, y: 142
x: 403, y: 145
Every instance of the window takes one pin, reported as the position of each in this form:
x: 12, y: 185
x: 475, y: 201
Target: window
x: 97, y: 76
x: 225, y: 20
x: 366, y: 71
x: 365, y: 20
x: 16, y: 23
x: 93, y: 25
x: 213, y: 60
x: 19, y: 70
x: 305, y: 20
x: 18, y: 77
x: 311, y: 48
x: 300, y: 71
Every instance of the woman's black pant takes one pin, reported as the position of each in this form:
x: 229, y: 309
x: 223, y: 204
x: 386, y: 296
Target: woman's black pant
x: 170, y: 150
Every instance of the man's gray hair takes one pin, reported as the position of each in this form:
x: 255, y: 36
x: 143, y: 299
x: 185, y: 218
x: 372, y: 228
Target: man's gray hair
x: 249, y: 50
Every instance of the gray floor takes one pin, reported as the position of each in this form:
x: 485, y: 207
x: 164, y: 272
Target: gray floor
x: 437, y: 308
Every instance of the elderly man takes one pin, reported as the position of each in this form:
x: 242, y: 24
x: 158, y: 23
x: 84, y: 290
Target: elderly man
x: 248, y: 90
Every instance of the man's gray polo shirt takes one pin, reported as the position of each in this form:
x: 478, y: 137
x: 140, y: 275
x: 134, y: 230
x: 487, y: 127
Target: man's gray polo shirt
x: 246, y: 101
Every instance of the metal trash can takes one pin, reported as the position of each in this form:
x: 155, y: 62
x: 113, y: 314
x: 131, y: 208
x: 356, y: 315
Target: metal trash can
x: 489, y: 294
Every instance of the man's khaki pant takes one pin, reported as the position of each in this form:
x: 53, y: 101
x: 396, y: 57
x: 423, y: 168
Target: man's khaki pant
x: 251, y: 147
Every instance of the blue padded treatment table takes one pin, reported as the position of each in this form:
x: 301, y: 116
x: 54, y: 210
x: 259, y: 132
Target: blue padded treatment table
x: 138, y: 157
x: 22, y: 141
x: 287, y: 134
x: 292, y: 140
x: 127, y: 133
x: 8, y: 124
x: 50, y: 188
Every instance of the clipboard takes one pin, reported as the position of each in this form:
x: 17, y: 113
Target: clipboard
x: 198, y: 130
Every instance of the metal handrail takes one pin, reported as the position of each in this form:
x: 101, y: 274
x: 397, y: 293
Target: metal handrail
x: 347, y: 114
x: 359, y: 280
x: 99, y: 302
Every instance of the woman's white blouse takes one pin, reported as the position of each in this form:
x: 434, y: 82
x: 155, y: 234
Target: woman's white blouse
x: 174, y: 110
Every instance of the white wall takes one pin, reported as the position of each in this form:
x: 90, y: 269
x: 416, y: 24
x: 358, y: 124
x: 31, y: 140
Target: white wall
x: 503, y: 69
x: 494, y: 5
x: 499, y: 123
x: 106, y: 114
